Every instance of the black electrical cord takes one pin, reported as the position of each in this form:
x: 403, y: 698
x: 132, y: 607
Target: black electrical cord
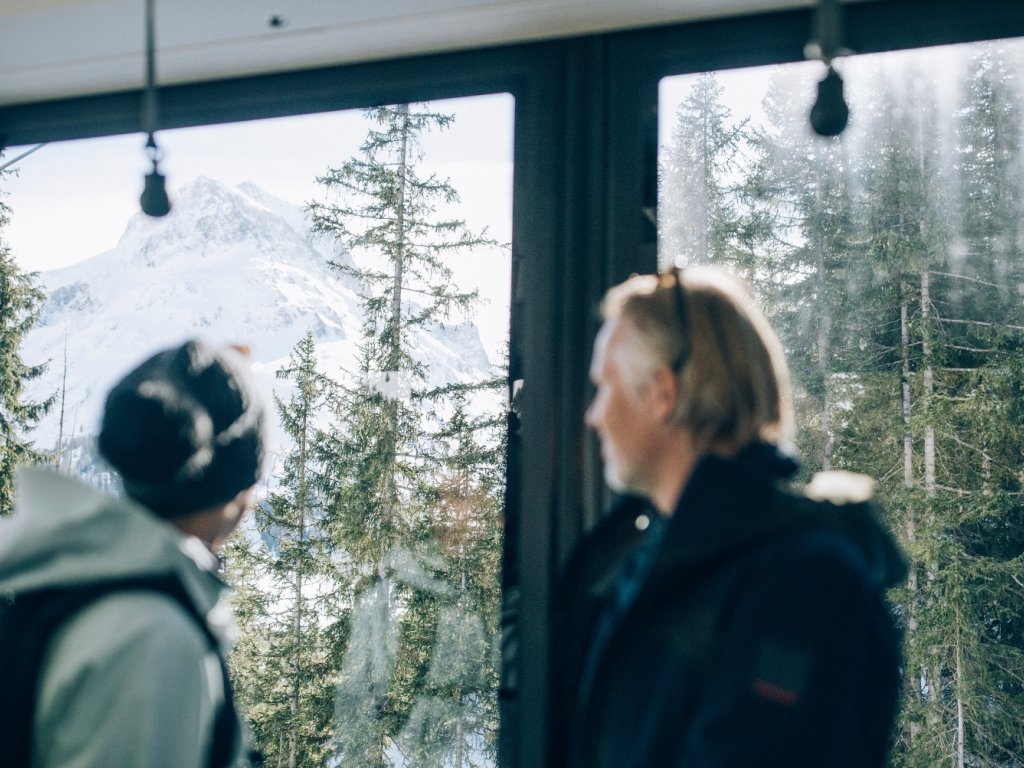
x: 154, y: 200
x: 830, y: 113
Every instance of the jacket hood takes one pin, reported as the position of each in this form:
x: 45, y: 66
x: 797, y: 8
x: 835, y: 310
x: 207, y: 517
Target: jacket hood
x: 752, y: 499
x: 65, y: 533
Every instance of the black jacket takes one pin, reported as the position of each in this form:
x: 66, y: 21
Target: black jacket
x: 750, y: 628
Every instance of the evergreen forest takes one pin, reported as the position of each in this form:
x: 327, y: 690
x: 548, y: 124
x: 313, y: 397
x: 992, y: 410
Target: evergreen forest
x: 369, y: 604
x: 891, y: 261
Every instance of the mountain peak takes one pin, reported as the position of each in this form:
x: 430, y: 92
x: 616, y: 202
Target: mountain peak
x: 228, y: 264
x: 208, y: 216
x: 202, y: 189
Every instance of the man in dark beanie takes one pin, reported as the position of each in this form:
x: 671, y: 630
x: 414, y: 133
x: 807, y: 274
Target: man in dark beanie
x: 132, y: 672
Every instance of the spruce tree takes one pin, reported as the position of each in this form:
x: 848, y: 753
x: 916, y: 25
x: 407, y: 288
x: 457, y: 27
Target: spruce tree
x: 384, y: 460
x: 454, y: 722
x: 701, y: 215
x: 933, y: 415
x: 284, y: 665
x: 979, y: 324
x: 801, y: 185
x: 21, y: 302
x: 902, y: 213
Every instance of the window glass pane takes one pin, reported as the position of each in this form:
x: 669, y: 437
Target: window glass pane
x: 364, y: 258
x: 891, y: 261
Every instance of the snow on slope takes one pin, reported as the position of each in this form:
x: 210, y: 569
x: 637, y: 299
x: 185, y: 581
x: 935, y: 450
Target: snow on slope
x: 229, y: 265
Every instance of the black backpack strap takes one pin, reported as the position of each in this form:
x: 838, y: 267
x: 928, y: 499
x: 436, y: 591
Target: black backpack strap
x: 28, y: 622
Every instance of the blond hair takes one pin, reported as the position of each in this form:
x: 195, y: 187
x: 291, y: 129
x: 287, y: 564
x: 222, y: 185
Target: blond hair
x: 702, y: 323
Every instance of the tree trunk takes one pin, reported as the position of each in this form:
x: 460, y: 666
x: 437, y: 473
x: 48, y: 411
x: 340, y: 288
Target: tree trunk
x: 961, y: 727
x: 929, y: 383
x: 63, y: 394
x: 908, y: 482
x: 908, y: 441
x: 394, y: 352
x: 707, y: 174
x: 824, y: 333
x: 935, y: 682
x: 908, y: 448
x: 300, y: 522
x: 393, y: 356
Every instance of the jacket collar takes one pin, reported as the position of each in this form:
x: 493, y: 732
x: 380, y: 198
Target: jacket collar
x: 730, y: 503
x: 65, y: 533
x: 727, y: 501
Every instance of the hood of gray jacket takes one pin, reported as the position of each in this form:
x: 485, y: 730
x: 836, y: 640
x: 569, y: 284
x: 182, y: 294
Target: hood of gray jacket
x: 65, y: 533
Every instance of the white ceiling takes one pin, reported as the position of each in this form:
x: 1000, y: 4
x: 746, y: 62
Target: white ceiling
x: 56, y: 48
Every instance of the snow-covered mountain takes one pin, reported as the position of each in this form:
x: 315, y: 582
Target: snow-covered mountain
x: 229, y: 264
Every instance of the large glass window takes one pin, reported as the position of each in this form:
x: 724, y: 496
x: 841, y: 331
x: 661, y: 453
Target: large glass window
x: 363, y: 257
x: 891, y: 261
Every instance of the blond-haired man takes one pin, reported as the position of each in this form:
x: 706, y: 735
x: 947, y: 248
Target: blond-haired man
x: 721, y: 616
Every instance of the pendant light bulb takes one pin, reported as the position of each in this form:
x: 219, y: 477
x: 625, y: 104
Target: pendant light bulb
x: 154, y: 199
x: 830, y: 114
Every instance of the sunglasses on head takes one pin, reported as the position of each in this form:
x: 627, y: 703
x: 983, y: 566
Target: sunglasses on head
x: 679, y: 299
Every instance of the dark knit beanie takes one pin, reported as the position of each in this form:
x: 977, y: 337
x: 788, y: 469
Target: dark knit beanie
x: 185, y: 429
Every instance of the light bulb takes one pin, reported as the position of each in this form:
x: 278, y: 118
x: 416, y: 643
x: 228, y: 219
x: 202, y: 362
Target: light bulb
x: 829, y: 115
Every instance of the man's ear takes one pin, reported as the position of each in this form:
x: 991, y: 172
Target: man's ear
x: 664, y: 393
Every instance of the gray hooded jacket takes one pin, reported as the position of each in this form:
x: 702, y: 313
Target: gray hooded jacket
x: 130, y: 680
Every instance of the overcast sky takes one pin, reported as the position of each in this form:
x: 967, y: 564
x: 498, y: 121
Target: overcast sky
x: 72, y: 200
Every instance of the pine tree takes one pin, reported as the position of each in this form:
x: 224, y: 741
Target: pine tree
x: 902, y: 210
x: 285, y: 665
x: 21, y: 302
x: 979, y: 322
x: 384, y: 460
x: 455, y: 722
x: 894, y: 284
x: 801, y: 184
x: 933, y: 413
x: 701, y: 216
